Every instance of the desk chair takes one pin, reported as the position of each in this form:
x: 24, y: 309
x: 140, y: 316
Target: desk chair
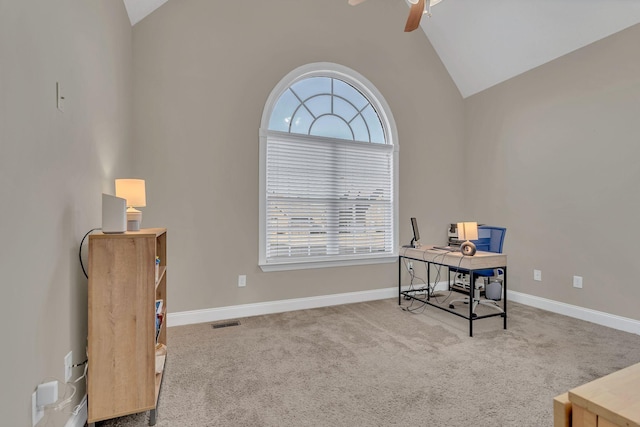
x: 490, y: 239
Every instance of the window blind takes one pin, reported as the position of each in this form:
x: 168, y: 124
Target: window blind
x: 327, y: 198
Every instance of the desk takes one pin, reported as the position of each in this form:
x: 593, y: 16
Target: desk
x: 480, y: 261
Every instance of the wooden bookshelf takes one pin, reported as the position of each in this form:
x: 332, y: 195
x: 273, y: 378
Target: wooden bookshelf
x: 123, y: 288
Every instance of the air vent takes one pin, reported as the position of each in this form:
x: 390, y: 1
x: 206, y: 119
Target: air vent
x: 225, y: 324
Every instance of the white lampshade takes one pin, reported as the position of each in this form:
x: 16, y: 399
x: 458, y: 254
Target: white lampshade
x: 133, y: 190
x: 468, y: 231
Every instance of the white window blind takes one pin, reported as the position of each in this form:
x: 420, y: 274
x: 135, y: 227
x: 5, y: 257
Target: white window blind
x: 327, y: 198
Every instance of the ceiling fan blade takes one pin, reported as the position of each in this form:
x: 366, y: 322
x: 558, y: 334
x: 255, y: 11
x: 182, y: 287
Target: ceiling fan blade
x: 415, y: 14
x: 355, y: 2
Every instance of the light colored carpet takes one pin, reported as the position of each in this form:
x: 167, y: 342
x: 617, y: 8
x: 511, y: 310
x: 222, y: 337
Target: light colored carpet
x: 373, y: 364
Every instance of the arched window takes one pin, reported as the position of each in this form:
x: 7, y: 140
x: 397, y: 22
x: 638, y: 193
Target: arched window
x: 328, y: 172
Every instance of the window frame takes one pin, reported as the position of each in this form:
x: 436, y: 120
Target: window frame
x: 326, y: 69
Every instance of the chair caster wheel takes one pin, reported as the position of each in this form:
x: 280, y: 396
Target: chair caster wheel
x: 452, y: 306
x: 473, y: 315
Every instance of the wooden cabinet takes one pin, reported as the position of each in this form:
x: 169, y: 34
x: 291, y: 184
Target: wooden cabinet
x: 610, y: 401
x: 126, y: 351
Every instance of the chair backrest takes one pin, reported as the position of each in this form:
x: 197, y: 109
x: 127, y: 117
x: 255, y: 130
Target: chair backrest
x: 490, y: 238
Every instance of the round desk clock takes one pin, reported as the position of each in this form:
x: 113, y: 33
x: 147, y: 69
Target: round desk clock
x: 468, y: 248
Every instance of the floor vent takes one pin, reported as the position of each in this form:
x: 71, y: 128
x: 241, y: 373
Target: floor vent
x: 225, y: 324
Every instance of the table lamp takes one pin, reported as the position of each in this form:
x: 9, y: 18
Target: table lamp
x: 134, y: 192
x: 468, y: 231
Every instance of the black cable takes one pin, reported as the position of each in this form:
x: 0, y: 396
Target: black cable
x: 414, y: 277
x: 430, y: 288
x: 80, y: 250
x: 437, y: 278
x: 414, y: 299
x: 411, y: 289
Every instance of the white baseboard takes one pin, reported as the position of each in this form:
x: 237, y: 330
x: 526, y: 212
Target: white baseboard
x: 599, y: 317
x: 247, y: 310
x: 79, y: 418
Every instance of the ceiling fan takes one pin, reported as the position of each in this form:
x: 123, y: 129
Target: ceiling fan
x: 418, y: 8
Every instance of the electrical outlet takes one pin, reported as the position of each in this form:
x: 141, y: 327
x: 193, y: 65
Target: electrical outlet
x: 68, y: 369
x: 577, y: 282
x: 537, y: 275
x: 242, y: 281
x: 410, y: 265
x: 36, y: 413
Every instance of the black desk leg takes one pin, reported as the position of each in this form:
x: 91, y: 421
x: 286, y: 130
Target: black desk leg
x: 428, y: 281
x: 504, y: 291
x: 399, y: 280
x: 471, y: 288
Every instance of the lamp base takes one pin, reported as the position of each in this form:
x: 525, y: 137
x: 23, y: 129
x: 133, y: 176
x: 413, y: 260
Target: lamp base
x: 134, y: 219
x: 133, y: 225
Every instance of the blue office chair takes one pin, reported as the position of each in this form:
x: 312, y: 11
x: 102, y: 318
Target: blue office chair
x: 490, y: 239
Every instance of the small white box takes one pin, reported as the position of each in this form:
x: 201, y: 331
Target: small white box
x: 47, y: 393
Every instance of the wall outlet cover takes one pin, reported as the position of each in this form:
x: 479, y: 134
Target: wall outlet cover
x: 36, y: 413
x: 537, y: 275
x: 68, y: 363
x: 577, y: 282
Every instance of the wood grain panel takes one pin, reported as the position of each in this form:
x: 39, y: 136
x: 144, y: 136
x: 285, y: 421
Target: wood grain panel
x: 562, y: 411
x: 122, y: 291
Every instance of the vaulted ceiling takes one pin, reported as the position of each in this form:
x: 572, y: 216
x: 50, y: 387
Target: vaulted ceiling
x: 485, y: 42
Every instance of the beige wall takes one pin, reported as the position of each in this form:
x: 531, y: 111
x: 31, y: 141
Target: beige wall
x: 53, y: 167
x: 554, y: 157
x: 203, y: 71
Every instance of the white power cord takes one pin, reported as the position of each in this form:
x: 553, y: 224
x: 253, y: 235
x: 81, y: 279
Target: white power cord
x: 64, y: 402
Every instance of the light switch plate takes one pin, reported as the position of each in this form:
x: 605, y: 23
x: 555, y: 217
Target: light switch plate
x: 59, y: 97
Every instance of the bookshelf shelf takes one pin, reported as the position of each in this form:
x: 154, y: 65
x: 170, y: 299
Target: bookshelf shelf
x: 126, y: 361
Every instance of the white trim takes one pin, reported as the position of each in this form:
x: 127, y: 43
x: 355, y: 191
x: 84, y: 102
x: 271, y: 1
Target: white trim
x: 598, y: 317
x: 341, y: 72
x: 79, y: 418
x: 283, y: 266
x: 271, y: 307
x: 247, y: 310
x: 140, y: 9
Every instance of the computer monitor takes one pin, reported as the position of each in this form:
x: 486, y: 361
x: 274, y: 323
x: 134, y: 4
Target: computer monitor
x: 415, y: 242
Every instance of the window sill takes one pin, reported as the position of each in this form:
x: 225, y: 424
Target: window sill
x: 284, y: 266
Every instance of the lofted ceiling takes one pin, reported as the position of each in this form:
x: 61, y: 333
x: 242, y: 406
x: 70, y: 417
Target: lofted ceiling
x: 485, y: 42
